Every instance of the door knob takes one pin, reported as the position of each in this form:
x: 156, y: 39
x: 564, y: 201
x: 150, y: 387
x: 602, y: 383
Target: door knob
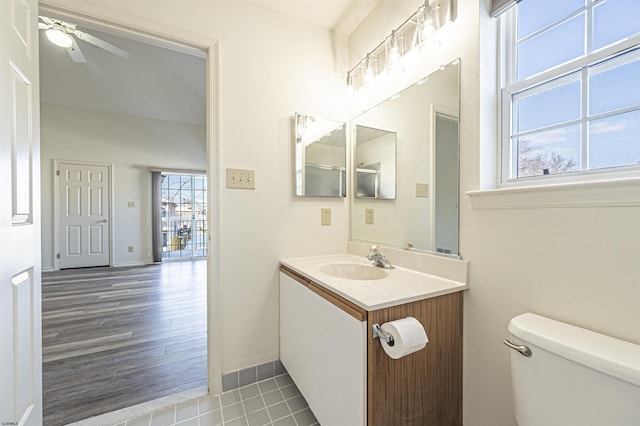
x: 105, y: 220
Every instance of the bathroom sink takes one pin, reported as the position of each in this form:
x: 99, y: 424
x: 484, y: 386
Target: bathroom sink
x: 354, y: 271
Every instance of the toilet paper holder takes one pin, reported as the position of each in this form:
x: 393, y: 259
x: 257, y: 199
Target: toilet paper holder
x: 383, y: 335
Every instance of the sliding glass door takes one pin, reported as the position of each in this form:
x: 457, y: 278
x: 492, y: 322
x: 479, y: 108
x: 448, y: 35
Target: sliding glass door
x: 184, y: 216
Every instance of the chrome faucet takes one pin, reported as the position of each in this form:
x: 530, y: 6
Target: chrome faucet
x: 379, y: 259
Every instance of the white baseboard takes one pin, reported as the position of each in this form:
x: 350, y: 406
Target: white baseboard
x: 132, y: 263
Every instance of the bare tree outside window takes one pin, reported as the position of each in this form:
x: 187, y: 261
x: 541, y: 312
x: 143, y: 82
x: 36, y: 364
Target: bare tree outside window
x: 533, y: 160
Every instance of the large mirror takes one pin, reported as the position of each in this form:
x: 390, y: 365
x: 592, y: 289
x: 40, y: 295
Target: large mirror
x: 424, y: 122
x: 321, y: 157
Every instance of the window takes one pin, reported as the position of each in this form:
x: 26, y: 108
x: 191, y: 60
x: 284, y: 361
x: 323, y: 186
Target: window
x: 570, y: 102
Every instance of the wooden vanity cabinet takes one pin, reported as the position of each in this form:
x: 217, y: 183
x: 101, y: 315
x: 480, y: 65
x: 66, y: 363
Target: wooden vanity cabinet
x: 420, y: 389
x: 423, y: 388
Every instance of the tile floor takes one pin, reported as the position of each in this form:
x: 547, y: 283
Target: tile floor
x: 273, y: 402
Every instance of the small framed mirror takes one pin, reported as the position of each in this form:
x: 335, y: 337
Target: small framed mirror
x: 321, y: 157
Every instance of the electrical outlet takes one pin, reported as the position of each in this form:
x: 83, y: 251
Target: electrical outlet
x: 130, y: 249
x: 325, y: 217
x: 131, y: 204
x: 422, y: 190
x: 241, y: 179
x: 368, y: 216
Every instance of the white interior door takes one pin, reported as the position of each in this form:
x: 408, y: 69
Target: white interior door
x: 20, y: 299
x: 83, y: 215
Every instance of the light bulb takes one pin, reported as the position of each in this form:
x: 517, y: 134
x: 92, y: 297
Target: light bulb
x: 428, y: 28
x: 350, y: 88
x: 394, y: 66
x: 394, y: 59
x: 369, y: 72
x: 369, y: 76
x: 59, y: 37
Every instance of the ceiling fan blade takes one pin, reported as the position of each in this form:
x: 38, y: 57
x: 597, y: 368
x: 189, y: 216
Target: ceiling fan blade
x: 75, y: 53
x: 102, y: 44
x: 46, y: 20
x: 43, y: 26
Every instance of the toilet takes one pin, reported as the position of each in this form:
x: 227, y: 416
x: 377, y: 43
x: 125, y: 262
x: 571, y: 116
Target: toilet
x: 565, y: 375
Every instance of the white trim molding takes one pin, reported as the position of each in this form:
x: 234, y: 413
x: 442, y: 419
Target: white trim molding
x: 610, y: 193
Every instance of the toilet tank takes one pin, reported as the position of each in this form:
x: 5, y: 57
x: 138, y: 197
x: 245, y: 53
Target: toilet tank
x: 573, y: 376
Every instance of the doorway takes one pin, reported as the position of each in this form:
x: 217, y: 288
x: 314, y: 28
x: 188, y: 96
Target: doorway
x: 127, y: 202
x: 446, y: 183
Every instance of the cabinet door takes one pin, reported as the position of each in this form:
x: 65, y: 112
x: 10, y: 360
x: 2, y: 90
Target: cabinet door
x: 324, y: 350
x: 423, y: 388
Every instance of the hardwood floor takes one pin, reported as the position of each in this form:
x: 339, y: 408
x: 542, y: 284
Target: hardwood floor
x: 116, y: 337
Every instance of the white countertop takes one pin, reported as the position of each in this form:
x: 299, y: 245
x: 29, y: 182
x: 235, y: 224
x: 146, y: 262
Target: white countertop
x: 399, y: 287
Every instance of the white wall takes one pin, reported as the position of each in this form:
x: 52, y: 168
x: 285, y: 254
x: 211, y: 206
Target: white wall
x: 270, y: 67
x: 578, y: 265
x: 132, y: 145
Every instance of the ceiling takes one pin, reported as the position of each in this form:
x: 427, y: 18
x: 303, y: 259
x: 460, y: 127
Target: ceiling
x: 339, y: 15
x: 156, y: 82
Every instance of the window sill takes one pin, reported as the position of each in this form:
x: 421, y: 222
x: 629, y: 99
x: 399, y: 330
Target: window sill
x: 609, y: 193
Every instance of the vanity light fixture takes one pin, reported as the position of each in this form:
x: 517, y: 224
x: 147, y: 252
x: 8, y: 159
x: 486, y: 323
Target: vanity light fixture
x: 421, y: 29
x: 59, y: 37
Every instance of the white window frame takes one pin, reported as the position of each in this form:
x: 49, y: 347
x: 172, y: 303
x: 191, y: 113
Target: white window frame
x: 507, y: 88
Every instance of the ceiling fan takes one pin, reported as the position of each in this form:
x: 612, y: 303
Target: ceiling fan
x: 62, y: 34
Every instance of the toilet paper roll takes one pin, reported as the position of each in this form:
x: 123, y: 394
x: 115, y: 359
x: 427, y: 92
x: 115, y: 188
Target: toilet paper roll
x: 408, y: 336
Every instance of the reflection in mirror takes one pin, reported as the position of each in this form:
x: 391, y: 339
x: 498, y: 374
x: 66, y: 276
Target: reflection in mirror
x: 424, y: 122
x: 321, y: 157
x: 375, y: 163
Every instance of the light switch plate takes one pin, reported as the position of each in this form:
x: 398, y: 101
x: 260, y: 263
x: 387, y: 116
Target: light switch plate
x: 241, y: 179
x: 422, y: 190
x: 368, y: 216
x: 131, y: 204
x: 325, y: 217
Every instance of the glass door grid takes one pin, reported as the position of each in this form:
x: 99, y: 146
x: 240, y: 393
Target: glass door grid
x: 184, y: 216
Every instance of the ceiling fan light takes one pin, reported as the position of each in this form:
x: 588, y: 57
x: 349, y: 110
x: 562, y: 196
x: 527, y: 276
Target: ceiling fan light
x: 59, y: 38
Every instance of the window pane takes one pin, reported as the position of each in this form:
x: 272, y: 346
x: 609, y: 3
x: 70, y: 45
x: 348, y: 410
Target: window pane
x: 200, y: 182
x: 174, y: 181
x: 185, y: 182
x: 615, y: 141
x: 553, y: 47
x: 553, y: 106
x: 614, y: 88
x: 551, y: 152
x: 614, y: 20
x: 534, y: 15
